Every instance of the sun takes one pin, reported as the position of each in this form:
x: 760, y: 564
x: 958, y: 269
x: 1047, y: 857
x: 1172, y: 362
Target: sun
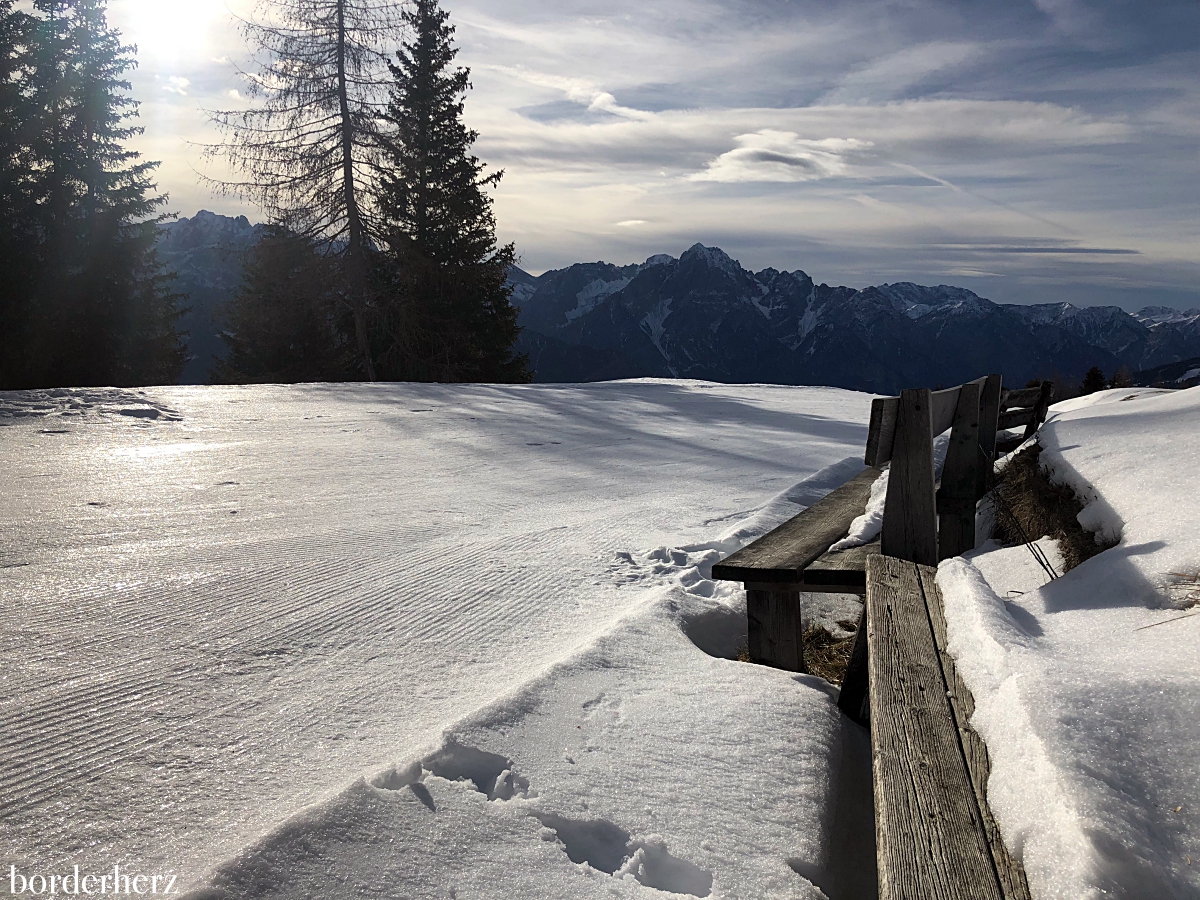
x: 173, y: 29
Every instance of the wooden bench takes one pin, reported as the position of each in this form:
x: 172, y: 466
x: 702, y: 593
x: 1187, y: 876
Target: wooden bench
x: 921, y: 522
x: 935, y: 835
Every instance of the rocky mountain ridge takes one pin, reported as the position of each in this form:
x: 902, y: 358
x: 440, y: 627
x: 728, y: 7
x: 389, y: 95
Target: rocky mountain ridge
x: 704, y: 316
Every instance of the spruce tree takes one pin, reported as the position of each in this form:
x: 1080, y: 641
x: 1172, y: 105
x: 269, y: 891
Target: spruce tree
x: 285, y: 324
x: 451, y: 319
x: 16, y: 212
x: 99, y: 309
x: 1094, y: 381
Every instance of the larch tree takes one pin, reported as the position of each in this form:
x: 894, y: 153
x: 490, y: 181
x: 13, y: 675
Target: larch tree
x: 452, y: 319
x: 309, y: 149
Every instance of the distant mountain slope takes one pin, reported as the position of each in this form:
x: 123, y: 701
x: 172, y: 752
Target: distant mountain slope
x: 704, y: 316
x: 1184, y: 374
x: 206, y: 252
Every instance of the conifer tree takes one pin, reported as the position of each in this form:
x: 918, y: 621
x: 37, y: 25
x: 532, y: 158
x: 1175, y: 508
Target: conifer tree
x: 284, y: 325
x: 99, y: 309
x: 15, y: 204
x: 452, y: 319
x: 309, y: 152
x: 1094, y: 380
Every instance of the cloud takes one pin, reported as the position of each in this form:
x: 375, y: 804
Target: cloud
x: 981, y: 130
x: 780, y: 156
x: 177, y: 85
x: 893, y: 75
x: 578, y: 91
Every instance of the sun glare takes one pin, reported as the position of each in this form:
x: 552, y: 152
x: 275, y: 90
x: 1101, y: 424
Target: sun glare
x: 171, y: 29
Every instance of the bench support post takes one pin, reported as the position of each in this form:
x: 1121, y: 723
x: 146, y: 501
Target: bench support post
x: 775, y: 632
x: 989, y: 418
x: 956, y: 499
x: 910, y: 512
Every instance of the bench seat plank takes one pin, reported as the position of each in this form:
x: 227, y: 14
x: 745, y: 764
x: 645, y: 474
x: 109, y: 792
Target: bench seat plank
x: 979, y: 766
x: 781, y: 555
x: 929, y: 834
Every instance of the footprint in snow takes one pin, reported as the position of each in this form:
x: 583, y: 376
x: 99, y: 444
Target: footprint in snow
x: 597, y: 843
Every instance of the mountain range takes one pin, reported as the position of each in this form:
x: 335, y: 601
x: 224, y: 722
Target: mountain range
x: 206, y: 253
x: 704, y: 316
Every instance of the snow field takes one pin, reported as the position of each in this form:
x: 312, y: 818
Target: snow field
x: 1086, y: 695
x: 257, y: 636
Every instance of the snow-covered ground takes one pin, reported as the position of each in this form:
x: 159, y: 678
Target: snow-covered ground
x: 1088, y: 687
x: 417, y: 641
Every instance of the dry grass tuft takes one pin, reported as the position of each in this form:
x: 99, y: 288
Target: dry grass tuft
x: 1041, y: 509
x: 1184, y: 589
x: 827, y: 655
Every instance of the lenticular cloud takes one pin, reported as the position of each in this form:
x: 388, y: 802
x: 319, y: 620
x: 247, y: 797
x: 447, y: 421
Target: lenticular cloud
x: 768, y: 155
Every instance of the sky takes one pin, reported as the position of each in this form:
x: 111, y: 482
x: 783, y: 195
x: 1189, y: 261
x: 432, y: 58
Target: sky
x: 1030, y: 150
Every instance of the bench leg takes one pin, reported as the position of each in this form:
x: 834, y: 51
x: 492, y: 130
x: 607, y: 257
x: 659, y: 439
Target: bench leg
x: 852, y: 698
x: 775, y: 633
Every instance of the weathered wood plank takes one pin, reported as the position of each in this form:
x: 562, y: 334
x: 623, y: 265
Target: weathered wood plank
x: 775, y: 632
x: 852, y: 698
x: 1020, y: 397
x: 910, y: 512
x: 885, y: 411
x: 840, y: 572
x: 1040, y: 408
x: 842, y: 567
x: 1008, y: 444
x: 979, y: 767
x: 956, y: 497
x: 989, y: 409
x: 929, y: 834
x: 780, y: 555
x: 1014, y: 418
x: 882, y: 430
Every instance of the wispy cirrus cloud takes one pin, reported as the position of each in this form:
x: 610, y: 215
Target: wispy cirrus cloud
x: 1061, y: 128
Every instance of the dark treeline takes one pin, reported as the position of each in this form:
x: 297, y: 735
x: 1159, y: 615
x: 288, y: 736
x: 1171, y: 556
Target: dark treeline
x: 380, y: 262
x: 83, y: 300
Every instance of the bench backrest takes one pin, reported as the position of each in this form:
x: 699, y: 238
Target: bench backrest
x: 921, y: 523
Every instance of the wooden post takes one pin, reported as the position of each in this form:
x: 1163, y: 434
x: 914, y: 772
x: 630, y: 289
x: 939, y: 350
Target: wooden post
x: 775, y: 632
x: 956, y: 499
x: 910, y: 512
x: 1040, y: 409
x: 852, y: 698
x: 989, y: 417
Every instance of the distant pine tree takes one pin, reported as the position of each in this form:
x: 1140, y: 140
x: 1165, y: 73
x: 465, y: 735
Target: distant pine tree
x: 16, y: 205
x: 99, y: 309
x: 451, y: 319
x: 1094, y: 380
x: 287, y: 323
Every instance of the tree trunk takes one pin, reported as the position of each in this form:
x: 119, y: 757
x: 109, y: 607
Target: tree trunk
x: 355, y: 251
